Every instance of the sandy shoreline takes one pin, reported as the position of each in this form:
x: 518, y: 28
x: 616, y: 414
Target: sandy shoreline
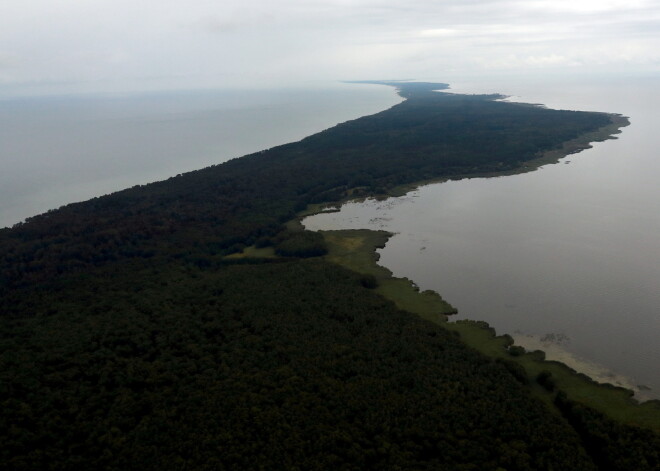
x: 555, y: 351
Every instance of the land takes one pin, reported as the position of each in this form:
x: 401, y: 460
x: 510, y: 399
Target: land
x: 193, y: 324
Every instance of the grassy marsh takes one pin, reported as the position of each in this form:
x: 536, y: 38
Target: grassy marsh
x: 356, y: 250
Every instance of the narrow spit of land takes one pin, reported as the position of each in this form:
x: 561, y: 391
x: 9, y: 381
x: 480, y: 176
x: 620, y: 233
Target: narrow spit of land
x: 192, y: 323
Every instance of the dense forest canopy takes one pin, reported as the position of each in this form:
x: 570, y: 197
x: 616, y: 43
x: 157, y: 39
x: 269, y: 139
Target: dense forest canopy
x: 129, y: 341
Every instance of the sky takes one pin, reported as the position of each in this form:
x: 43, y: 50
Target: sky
x: 84, y: 46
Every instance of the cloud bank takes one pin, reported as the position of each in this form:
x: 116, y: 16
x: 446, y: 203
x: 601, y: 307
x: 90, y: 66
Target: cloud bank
x: 101, y: 45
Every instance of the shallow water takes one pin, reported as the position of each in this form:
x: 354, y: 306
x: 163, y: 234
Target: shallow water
x: 571, y: 249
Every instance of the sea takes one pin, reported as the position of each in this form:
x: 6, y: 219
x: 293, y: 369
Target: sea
x: 565, y: 259
x: 57, y: 150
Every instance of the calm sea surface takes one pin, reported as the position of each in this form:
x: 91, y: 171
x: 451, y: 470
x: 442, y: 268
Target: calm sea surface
x: 55, y: 151
x: 567, y: 256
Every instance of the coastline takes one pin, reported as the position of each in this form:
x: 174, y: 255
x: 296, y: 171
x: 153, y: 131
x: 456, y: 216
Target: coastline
x: 584, y: 381
x: 356, y: 249
x: 205, y: 290
x: 553, y: 156
x: 554, y: 351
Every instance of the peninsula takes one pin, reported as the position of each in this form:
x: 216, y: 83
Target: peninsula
x: 192, y: 323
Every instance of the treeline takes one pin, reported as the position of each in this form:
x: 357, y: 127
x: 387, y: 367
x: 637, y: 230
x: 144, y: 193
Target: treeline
x: 613, y: 446
x: 128, y: 341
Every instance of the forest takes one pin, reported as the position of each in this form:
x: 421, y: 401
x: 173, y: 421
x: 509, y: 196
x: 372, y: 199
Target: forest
x: 130, y: 340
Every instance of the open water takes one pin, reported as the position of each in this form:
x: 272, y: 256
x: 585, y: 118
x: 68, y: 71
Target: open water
x: 58, y: 150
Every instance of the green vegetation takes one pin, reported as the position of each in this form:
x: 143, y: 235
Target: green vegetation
x: 355, y: 250
x: 193, y: 324
x: 253, y: 252
x: 608, y: 441
x: 276, y: 365
x: 301, y: 244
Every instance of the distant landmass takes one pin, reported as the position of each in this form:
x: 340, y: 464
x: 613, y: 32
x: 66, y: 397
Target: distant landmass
x: 192, y: 324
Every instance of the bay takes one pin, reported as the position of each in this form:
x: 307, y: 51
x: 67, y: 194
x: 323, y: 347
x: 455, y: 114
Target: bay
x: 566, y: 258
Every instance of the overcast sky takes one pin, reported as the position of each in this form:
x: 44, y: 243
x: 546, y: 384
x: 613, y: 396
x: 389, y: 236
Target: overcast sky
x: 62, y: 46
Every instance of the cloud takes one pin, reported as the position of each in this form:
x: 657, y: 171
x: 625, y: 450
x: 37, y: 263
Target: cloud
x: 236, y: 43
x: 218, y: 26
x: 440, y: 33
x: 7, y: 60
x: 587, y: 6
